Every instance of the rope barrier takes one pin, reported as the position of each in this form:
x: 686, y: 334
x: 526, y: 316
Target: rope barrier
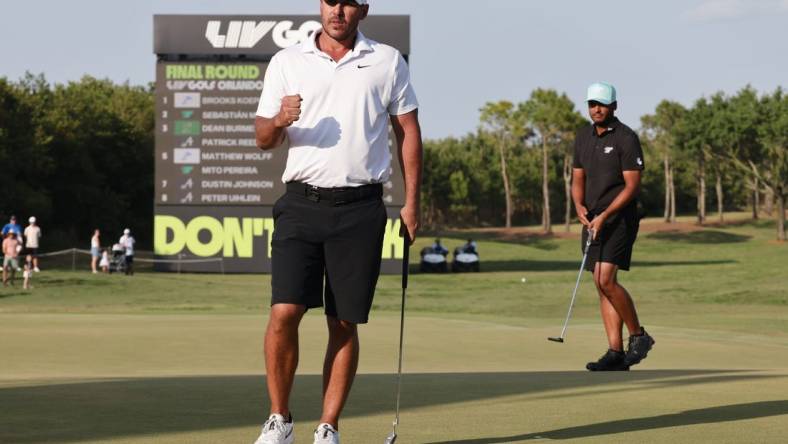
x: 74, y: 251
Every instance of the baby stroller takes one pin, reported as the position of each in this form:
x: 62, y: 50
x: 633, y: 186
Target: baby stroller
x: 433, y: 258
x: 117, y: 260
x: 466, y: 258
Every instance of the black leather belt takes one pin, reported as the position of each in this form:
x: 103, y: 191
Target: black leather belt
x: 335, y: 196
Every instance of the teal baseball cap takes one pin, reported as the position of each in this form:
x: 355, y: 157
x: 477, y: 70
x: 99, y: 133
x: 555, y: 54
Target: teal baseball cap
x: 601, y: 92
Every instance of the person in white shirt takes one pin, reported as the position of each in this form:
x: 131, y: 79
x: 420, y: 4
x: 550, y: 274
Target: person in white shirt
x: 27, y: 274
x: 330, y: 100
x: 104, y: 263
x: 32, y: 241
x: 127, y: 241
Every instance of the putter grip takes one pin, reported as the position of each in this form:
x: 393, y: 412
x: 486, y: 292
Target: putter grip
x: 405, y: 259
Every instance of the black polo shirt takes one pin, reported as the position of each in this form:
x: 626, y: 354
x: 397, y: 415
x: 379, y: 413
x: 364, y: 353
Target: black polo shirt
x: 604, y: 159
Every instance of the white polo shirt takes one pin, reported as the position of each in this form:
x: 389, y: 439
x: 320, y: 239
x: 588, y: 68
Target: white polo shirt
x: 341, y: 138
x: 32, y: 236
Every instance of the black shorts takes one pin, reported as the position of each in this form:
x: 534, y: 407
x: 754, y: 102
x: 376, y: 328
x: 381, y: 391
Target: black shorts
x: 332, y: 236
x: 614, y: 243
x: 31, y: 251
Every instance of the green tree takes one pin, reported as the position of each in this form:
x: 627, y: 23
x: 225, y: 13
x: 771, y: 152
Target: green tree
x: 555, y: 122
x: 660, y: 131
x: 744, y: 117
x: 474, y: 156
x: 22, y: 149
x: 77, y: 156
x: 498, y: 118
x: 458, y: 195
x: 766, y: 158
x: 721, y: 138
x: 693, y: 138
x: 733, y: 122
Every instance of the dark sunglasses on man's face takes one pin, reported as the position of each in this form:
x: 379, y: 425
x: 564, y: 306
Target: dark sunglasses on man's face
x: 333, y: 3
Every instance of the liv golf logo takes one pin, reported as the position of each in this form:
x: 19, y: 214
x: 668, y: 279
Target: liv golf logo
x: 247, y: 33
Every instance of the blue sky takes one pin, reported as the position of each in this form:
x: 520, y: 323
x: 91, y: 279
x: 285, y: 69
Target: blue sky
x: 463, y: 53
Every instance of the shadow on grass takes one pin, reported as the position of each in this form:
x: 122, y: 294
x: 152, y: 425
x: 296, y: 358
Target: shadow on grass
x: 540, y: 241
x: 710, y: 415
x: 68, y: 282
x: 11, y: 292
x: 68, y: 279
x: 700, y: 237
x: 533, y: 265
x: 764, y: 222
x: 105, y: 409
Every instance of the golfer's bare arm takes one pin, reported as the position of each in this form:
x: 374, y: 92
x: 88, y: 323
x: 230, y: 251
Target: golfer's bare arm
x: 630, y: 191
x: 579, y: 194
x: 270, y: 132
x: 267, y: 134
x: 409, y: 148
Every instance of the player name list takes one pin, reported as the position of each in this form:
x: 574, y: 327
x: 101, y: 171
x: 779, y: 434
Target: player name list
x: 205, y: 145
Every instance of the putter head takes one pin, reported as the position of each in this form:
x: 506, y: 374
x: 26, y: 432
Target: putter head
x: 391, y: 439
x: 554, y: 339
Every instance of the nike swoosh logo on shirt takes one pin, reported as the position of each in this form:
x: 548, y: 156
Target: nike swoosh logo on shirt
x: 363, y: 66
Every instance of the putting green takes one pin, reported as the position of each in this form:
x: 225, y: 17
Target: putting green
x: 199, y: 379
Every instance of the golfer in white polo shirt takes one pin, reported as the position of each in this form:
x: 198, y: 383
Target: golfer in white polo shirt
x: 331, y: 99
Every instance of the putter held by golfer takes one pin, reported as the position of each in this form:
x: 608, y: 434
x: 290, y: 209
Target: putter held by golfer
x: 392, y: 438
x: 574, y: 293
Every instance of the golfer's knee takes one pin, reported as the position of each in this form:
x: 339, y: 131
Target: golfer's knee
x: 285, y: 318
x: 606, y: 285
x: 600, y: 286
x: 339, y: 329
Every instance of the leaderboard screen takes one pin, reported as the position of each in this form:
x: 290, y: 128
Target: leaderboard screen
x: 205, y: 147
x: 214, y: 188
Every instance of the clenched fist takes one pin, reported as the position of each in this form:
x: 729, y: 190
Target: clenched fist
x: 289, y: 112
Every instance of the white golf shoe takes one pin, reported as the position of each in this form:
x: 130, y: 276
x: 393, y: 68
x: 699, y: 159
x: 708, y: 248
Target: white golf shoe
x: 326, y: 434
x: 276, y: 431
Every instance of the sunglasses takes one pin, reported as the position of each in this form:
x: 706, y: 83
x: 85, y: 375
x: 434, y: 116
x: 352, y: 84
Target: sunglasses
x: 333, y: 3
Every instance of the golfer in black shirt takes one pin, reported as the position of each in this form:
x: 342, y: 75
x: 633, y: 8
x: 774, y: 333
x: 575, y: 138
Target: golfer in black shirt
x: 608, y: 163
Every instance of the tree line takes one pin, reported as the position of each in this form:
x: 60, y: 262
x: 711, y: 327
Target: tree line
x: 516, y: 167
x: 79, y: 156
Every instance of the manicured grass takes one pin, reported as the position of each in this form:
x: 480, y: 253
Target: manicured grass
x: 199, y: 379
x: 168, y: 358
x: 720, y: 278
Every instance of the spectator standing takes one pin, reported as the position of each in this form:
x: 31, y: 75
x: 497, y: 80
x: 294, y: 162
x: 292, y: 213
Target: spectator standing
x: 32, y: 240
x: 95, y: 250
x: 10, y: 257
x: 12, y: 226
x: 27, y: 274
x: 127, y: 241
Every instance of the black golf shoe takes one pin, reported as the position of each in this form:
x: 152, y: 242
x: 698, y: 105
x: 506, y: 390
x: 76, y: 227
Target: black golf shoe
x: 612, y: 361
x: 638, y: 348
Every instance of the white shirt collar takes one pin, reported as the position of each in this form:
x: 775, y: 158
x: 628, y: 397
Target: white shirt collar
x: 362, y: 43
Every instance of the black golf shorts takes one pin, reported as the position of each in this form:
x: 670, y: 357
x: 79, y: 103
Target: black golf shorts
x: 328, y: 235
x: 614, y: 243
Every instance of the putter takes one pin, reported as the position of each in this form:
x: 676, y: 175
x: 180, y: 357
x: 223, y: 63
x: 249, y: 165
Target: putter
x: 574, y: 293
x: 392, y: 438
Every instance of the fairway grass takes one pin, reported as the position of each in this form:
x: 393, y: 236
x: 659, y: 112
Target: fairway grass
x: 167, y: 358
x: 199, y: 379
